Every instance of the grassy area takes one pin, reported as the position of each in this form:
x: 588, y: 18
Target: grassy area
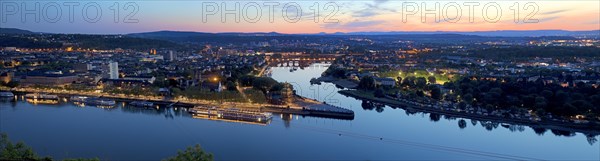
x: 255, y: 96
x: 206, y: 94
x: 138, y: 91
x: 440, y: 78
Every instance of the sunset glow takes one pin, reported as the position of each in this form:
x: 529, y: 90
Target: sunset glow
x: 351, y: 16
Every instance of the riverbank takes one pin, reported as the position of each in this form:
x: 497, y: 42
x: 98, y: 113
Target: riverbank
x: 592, y: 128
x: 343, y: 83
x: 310, y: 107
x: 303, y: 106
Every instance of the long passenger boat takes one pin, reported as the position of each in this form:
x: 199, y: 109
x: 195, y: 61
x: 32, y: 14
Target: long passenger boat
x: 100, y: 101
x: 141, y: 104
x: 78, y: 98
x: 37, y: 98
x: 41, y: 96
x: 232, y: 114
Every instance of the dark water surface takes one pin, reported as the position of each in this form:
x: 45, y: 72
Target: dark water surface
x: 124, y: 133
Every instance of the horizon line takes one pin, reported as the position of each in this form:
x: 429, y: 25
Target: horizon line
x: 166, y: 30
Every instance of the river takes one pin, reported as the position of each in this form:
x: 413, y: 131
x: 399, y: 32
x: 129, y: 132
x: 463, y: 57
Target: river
x: 381, y: 133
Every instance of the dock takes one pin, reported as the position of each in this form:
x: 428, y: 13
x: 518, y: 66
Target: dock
x: 308, y: 107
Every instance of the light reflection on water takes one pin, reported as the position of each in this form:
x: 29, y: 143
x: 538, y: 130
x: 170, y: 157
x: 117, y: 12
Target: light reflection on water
x: 377, y: 132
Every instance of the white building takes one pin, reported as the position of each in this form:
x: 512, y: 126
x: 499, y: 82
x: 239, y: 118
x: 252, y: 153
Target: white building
x: 113, y: 70
x: 385, y: 82
x: 170, y: 56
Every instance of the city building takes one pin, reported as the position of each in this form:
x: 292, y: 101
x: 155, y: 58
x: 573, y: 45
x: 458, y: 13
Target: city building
x: 82, y: 67
x: 170, y: 56
x: 48, y: 78
x: 114, y: 70
x: 390, y: 82
x: 111, y: 70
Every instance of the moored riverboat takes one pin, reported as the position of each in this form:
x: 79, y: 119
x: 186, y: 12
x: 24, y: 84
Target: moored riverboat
x: 141, y: 104
x: 41, y: 96
x: 6, y: 94
x: 231, y: 114
x: 78, y: 98
x: 36, y: 98
x: 100, y: 102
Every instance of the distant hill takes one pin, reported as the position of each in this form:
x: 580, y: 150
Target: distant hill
x: 181, y: 35
x: 166, y: 34
x: 23, y: 42
x: 14, y: 31
x: 499, y: 33
x: 232, y: 37
x: 535, y: 33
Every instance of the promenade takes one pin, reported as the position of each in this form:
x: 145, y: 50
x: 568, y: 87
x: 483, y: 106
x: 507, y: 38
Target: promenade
x: 302, y: 106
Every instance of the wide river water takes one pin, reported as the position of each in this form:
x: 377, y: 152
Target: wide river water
x: 383, y: 133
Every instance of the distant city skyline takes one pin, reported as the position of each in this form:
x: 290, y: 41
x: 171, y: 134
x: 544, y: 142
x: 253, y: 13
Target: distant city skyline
x: 352, y: 16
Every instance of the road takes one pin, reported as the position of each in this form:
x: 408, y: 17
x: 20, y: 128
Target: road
x: 262, y: 71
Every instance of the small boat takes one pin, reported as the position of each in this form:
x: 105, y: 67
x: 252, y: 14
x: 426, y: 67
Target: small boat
x: 78, y: 98
x: 141, y: 104
x: 41, y: 96
x: 6, y: 94
x: 100, y: 101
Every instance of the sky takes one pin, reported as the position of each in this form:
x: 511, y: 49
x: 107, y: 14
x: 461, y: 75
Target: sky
x: 300, y: 16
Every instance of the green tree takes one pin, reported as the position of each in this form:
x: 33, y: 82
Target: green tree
x: 420, y: 93
x: 231, y: 86
x: 540, y: 102
x: 409, y: 81
x: 467, y: 98
x: 263, y: 83
x: 82, y: 159
x: 547, y: 94
x: 379, y: 93
x: 561, y: 97
x: 19, y: 151
x: 436, y: 92
x: 337, y: 72
x: 431, y: 80
x: 366, y: 83
x: 277, y: 87
x: 246, y: 80
x: 421, y: 82
x: 192, y: 154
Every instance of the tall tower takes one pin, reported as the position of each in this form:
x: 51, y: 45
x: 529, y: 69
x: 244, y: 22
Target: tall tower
x: 113, y: 68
